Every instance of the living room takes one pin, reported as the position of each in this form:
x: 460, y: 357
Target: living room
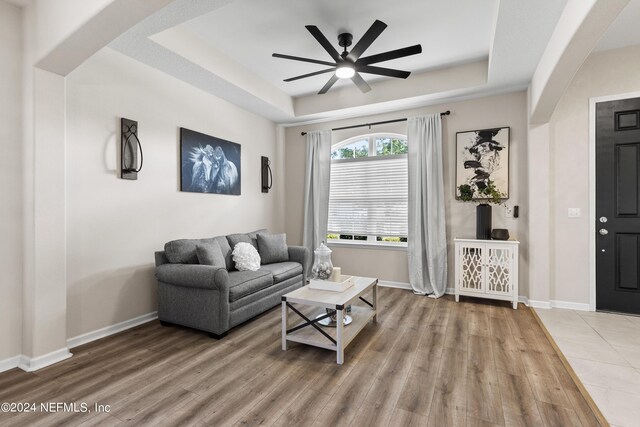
x: 95, y: 93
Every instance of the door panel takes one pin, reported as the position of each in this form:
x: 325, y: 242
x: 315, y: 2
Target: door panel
x: 618, y: 206
x: 627, y: 179
x: 471, y: 269
x: 627, y: 260
x: 499, y: 270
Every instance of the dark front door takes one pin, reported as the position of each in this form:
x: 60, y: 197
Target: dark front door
x: 618, y: 206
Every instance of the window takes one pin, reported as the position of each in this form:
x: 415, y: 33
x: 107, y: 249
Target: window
x: 368, y: 198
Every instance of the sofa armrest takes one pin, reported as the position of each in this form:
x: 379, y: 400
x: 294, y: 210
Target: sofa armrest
x: 300, y: 254
x: 161, y: 258
x: 194, y: 276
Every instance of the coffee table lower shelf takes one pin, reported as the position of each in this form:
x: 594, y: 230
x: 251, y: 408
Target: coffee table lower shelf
x: 361, y: 316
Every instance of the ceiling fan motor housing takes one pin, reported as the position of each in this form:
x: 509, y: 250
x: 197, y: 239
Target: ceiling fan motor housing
x: 345, y: 39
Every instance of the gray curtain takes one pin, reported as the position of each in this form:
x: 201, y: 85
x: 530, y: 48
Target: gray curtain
x: 316, y: 189
x: 427, y: 240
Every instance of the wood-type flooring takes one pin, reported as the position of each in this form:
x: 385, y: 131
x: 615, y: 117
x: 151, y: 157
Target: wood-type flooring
x: 425, y: 363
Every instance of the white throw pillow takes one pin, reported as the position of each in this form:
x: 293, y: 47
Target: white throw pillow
x: 246, y: 257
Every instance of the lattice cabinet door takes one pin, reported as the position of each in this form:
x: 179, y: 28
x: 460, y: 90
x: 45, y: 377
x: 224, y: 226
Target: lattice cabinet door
x: 500, y: 269
x: 471, y: 267
x: 487, y: 269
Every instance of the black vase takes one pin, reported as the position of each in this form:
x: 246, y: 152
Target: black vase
x: 483, y: 222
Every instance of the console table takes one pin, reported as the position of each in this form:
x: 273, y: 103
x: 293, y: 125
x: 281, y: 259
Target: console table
x: 487, y: 269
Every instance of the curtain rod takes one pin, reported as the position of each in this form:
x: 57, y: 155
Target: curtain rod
x: 446, y: 113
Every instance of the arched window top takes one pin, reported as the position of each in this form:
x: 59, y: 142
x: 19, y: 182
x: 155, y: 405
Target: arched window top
x: 370, y: 145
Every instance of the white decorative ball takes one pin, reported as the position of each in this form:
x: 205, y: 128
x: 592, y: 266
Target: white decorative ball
x: 246, y: 257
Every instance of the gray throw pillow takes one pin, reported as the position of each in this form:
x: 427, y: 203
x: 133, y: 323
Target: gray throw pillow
x: 234, y: 239
x: 183, y: 251
x: 273, y: 248
x: 210, y: 254
x: 226, y: 251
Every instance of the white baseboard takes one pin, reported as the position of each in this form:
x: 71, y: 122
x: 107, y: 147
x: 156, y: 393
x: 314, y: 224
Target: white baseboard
x: 30, y: 364
x: 539, y: 304
x: 10, y: 363
x: 110, y: 330
x: 390, y: 284
x: 560, y: 304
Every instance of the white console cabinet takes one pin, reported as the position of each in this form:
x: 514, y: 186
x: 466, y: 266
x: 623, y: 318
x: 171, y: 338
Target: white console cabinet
x: 487, y: 269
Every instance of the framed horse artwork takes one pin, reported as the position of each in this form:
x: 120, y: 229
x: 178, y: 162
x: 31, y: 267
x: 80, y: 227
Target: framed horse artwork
x: 209, y: 164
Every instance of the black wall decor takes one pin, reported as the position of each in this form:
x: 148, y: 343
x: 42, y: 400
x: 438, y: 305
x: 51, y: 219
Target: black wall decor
x: 267, y: 175
x: 129, y: 145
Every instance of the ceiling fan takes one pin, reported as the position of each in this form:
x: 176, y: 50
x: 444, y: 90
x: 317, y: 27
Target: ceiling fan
x: 349, y: 65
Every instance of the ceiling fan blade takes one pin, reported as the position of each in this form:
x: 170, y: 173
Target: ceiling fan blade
x: 327, y: 86
x: 298, y: 58
x: 328, y: 70
x: 317, y: 34
x: 369, y: 37
x: 359, y: 81
x: 383, y: 71
x: 392, y: 54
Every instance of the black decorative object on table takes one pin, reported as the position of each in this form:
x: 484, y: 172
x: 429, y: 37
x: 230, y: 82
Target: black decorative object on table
x: 209, y: 164
x: 483, y: 211
x: 129, y: 150
x: 483, y: 221
x: 500, y: 234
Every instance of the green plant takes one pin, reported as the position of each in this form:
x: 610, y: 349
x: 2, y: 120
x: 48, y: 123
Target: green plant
x: 487, y: 194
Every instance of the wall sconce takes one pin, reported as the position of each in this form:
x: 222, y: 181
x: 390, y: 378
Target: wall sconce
x: 129, y: 151
x: 267, y: 175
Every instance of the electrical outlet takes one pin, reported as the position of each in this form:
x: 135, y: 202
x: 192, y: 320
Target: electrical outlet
x: 574, y: 213
x: 508, y: 211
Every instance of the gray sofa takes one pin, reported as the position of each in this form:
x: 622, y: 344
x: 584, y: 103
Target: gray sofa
x: 215, y: 299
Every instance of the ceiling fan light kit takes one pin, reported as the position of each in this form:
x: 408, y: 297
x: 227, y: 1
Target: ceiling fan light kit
x: 349, y: 64
x: 345, y: 71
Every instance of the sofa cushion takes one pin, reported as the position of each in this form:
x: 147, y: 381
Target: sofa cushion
x: 183, y: 251
x: 282, y: 270
x: 250, y: 237
x: 272, y: 248
x: 236, y: 238
x: 226, y: 251
x: 243, y: 283
x: 210, y: 254
x: 253, y: 235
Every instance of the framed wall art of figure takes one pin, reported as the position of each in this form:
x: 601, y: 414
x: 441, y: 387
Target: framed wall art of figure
x: 482, y: 157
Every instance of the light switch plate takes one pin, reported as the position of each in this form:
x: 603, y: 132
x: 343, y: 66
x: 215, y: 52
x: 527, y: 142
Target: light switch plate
x: 574, y: 213
x: 508, y: 211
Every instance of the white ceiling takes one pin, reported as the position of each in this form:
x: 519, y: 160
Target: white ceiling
x: 249, y: 31
x: 470, y: 48
x: 625, y: 30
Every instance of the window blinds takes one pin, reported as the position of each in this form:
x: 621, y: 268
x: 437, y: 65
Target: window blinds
x: 369, y: 196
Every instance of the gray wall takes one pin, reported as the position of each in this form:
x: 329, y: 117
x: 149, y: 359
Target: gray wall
x: 603, y: 73
x: 114, y: 225
x: 391, y: 265
x: 11, y: 181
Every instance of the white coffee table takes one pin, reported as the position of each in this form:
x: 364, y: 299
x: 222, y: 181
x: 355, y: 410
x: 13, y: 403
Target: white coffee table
x: 332, y: 338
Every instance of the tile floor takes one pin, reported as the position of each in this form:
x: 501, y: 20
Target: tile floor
x: 604, y: 351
